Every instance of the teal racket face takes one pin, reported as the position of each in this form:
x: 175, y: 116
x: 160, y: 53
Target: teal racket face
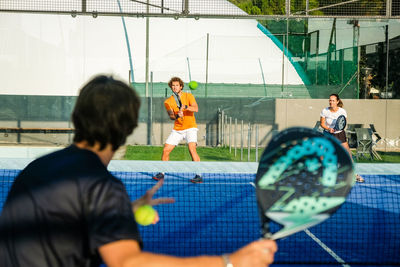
x: 303, y: 177
x: 340, y: 123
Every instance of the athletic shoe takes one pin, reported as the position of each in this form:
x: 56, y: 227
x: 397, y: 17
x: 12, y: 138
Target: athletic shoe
x: 197, y: 179
x: 158, y: 176
x: 359, y: 178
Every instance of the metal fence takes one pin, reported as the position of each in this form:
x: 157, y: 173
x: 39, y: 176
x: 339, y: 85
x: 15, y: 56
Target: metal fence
x: 208, y: 8
x: 346, y: 47
x: 323, y: 41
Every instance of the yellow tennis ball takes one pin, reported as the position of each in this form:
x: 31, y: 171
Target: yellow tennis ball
x: 193, y: 85
x: 145, y: 215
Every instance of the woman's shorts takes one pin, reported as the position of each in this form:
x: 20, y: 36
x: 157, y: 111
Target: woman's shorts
x: 341, y: 136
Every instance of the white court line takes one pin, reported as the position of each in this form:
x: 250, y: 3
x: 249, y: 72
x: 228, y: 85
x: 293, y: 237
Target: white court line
x: 383, y: 185
x: 182, y: 180
x: 377, y: 185
x: 327, y: 249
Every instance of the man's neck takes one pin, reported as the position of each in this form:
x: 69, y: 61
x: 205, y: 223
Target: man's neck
x: 105, y: 155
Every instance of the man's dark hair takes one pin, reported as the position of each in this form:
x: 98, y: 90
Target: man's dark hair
x: 106, y: 111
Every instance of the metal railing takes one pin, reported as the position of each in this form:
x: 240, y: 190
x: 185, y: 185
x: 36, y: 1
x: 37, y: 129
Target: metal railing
x: 205, y: 8
x: 228, y: 134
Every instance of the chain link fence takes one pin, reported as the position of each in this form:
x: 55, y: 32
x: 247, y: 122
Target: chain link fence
x: 292, y: 50
x: 209, y: 8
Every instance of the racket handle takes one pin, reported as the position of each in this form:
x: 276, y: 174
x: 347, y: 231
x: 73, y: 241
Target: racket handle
x: 177, y: 116
x: 226, y: 260
x: 265, y: 231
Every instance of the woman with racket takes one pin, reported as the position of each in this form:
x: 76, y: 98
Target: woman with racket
x: 330, y: 122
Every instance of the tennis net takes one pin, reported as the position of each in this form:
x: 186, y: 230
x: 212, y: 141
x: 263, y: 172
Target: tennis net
x: 220, y: 215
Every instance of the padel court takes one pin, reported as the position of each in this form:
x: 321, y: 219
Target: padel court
x: 220, y: 215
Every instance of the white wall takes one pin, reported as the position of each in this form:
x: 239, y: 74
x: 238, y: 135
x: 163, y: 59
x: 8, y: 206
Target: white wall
x: 55, y: 54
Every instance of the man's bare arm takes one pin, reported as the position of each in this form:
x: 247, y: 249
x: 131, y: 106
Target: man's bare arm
x: 193, y: 107
x: 127, y: 253
x: 171, y: 114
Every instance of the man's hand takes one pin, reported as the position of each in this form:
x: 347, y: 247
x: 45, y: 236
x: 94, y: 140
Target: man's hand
x: 147, y: 199
x: 256, y: 254
x: 180, y: 114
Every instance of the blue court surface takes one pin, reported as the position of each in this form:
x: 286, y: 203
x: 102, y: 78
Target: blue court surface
x: 220, y: 216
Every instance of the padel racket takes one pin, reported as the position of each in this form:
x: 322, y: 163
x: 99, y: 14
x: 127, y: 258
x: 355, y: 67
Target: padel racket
x: 302, y: 179
x: 340, y: 123
x: 177, y: 100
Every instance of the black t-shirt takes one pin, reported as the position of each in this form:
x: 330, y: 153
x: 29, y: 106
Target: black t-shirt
x: 61, y: 209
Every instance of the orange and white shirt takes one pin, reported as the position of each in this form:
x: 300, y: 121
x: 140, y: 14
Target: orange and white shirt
x: 188, y: 120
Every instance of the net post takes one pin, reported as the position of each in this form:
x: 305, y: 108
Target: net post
x: 219, y: 128
x: 19, y: 133
x: 230, y: 134
x: 234, y: 137
x: 188, y: 65
x: 149, y: 111
x: 388, y: 8
x: 248, y: 142
x: 222, y: 128
x: 83, y: 6
x: 241, y: 141
x: 208, y: 42
x: 257, y: 143
x: 185, y: 10
x: 287, y: 8
x: 226, y: 130
x: 307, y: 6
x: 283, y: 64
x: 147, y: 51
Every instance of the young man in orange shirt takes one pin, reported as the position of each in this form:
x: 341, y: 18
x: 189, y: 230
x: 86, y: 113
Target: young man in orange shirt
x: 67, y: 209
x: 185, y: 126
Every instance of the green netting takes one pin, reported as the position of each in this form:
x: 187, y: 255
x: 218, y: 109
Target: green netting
x: 218, y: 90
x: 326, y: 59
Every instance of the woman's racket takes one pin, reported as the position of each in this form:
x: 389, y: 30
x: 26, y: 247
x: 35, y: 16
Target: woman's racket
x: 302, y: 179
x: 340, y: 123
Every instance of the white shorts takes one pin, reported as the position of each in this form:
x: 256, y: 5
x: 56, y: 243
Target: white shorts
x: 190, y: 135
